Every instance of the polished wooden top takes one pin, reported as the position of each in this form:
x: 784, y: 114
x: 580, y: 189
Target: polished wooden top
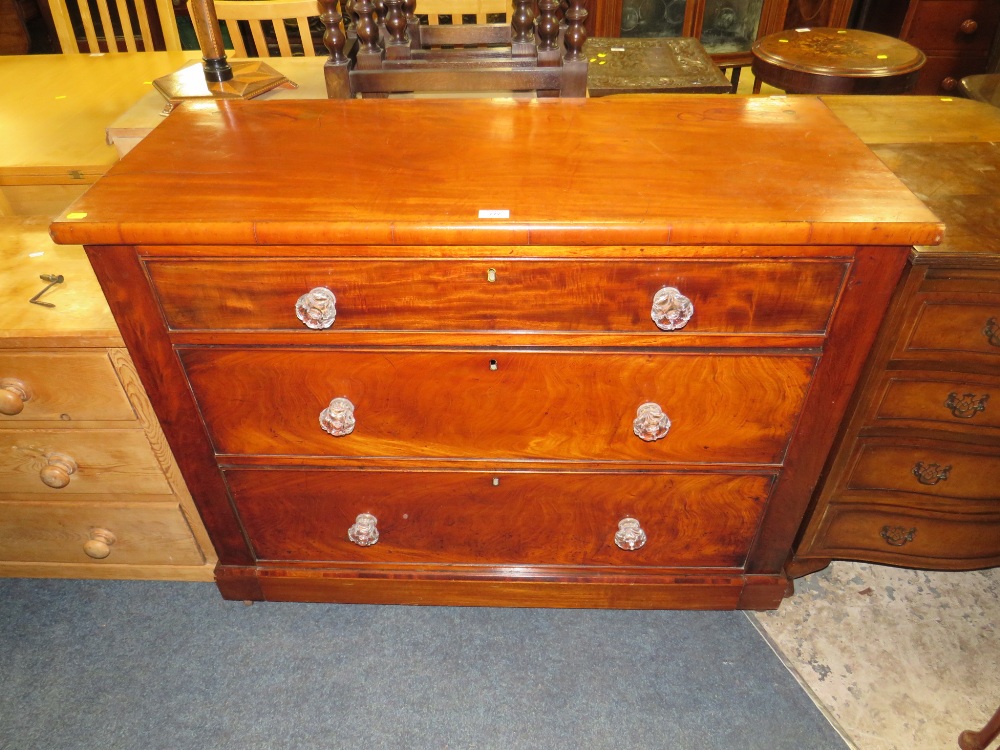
x: 56, y: 108
x: 948, y: 152
x: 684, y: 169
x: 625, y: 66
x: 80, y: 317
x: 839, y: 52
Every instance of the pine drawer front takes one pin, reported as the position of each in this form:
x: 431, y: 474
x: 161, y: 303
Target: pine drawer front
x: 722, y: 408
x: 954, y: 25
x: 500, y: 518
x: 71, y: 462
x: 727, y: 296
x: 939, y: 401
x: 954, y: 329
x: 909, y: 537
x: 98, y: 533
x: 63, y: 387
x: 941, y: 470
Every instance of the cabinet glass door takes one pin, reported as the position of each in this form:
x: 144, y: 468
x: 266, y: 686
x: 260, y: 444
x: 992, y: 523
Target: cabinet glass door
x: 730, y: 26
x: 648, y: 18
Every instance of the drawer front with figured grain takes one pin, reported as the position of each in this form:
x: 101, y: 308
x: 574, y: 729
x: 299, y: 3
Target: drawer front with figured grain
x: 68, y: 462
x: 929, y: 468
x: 98, y: 533
x: 719, y: 408
x: 502, y: 518
x: 938, y: 401
x: 64, y: 387
x: 953, y: 25
x: 908, y: 536
x: 960, y: 330
x: 710, y: 296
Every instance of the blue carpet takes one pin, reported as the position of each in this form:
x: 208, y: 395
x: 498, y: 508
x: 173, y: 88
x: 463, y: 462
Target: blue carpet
x: 118, y: 665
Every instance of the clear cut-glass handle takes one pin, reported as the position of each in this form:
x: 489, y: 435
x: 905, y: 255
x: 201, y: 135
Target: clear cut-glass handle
x: 364, y: 532
x: 671, y: 309
x: 317, y: 308
x: 651, y: 422
x: 630, y: 535
x: 338, y: 417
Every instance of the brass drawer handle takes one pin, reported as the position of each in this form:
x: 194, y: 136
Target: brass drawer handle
x: 338, y: 417
x: 56, y: 473
x: 364, y: 532
x: 930, y: 473
x: 671, y: 309
x: 317, y: 308
x: 13, y: 394
x: 967, y: 405
x: 100, y: 543
x: 992, y: 332
x: 897, y: 536
x: 630, y: 535
x: 651, y: 422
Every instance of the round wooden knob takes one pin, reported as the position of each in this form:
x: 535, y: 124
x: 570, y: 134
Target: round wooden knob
x: 13, y: 394
x: 968, y: 26
x: 99, y: 544
x: 56, y: 473
x: 949, y: 84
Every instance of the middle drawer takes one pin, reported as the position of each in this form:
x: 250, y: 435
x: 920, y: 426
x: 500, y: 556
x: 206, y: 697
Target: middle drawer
x: 498, y: 404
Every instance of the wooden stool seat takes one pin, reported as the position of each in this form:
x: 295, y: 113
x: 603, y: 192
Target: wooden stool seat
x: 836, y: 61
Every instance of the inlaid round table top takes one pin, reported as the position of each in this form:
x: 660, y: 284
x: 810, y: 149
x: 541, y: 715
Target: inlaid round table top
x: 839, y: 52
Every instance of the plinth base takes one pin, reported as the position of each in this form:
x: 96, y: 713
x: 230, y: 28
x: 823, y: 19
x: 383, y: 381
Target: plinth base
x: 250, y: 78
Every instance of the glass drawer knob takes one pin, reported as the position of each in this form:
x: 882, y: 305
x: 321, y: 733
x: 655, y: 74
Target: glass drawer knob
x: 317, y: 308
x: 338, y: 417
x: 671, y: 309
x: 364, y: 532
x: 630, y: 535
x: 651, y: 422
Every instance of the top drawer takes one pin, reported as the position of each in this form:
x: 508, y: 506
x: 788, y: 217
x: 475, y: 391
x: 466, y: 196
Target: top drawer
x: 953, y: 25
x: 959, y: 327
x: 64, y: 387
x: 754, y: 296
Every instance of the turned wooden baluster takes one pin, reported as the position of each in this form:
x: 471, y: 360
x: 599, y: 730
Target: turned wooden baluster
x: 574, y: 82
x: 336, y: 70
x: 412, y: 23
x: 395, y: 26
x: 367, y: 31
x: 576, y: 33
x: 334, y: 38
x: 548, y: 26
x: 350, y: 19
x: 522, y: 34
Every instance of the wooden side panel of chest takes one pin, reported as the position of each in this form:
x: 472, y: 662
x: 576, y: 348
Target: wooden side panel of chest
x: 914, y: 478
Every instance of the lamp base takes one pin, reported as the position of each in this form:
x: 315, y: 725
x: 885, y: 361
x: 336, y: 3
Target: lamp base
x: 250, y: 78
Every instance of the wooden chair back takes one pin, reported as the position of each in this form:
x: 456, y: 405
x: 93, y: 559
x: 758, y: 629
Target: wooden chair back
x: 266, y: 21
x: 124, y: 26
x: 461, y: 11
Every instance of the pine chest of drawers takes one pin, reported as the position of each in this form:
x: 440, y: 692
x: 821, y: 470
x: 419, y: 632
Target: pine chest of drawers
x: 88, y: 486
x: 497, y: 352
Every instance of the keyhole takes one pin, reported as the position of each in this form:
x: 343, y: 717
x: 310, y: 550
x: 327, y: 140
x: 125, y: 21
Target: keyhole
x: 496, y: 481
x: 494, y: 365
x: 491, y: 275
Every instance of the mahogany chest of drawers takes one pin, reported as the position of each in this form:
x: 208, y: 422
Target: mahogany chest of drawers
x: 497, y: 352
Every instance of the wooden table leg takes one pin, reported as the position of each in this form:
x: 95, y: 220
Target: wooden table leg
x: 969, y: 740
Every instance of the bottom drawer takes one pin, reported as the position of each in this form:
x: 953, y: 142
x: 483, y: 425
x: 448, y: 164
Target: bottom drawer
x: 501, y: 518
x: 146, y: 534
x: 899, y: 535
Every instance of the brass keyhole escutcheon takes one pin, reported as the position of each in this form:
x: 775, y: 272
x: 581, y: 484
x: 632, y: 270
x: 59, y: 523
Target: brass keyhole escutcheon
x: 491, y: 275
